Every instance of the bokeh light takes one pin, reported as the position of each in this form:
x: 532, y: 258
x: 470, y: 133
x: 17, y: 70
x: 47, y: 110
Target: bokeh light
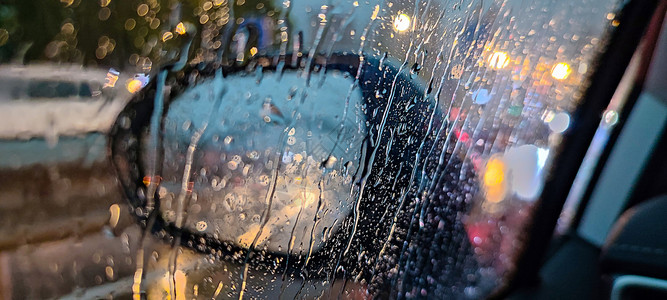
x: 499, y: 60
x: 494, y: 180
x: 180, y: 28
x: 134, y: 86
x: 561, y: 71
x: 495, y: 173
x: 402, y: 22
x: 560, y: 122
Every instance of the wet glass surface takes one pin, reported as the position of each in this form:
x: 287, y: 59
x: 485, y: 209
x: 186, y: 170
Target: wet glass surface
x: 266, y: 149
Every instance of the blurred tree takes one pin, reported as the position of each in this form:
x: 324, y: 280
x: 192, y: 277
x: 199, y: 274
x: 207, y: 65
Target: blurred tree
x: 112, y: 32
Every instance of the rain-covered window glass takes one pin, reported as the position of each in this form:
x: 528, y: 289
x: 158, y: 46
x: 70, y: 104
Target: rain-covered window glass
x: 265, y: 149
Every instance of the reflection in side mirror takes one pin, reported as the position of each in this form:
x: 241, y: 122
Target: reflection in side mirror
x: 269, y: 167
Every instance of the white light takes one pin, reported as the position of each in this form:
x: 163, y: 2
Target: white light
x: 525, y: 164
x: 542, y: 155
x: 499, y: 60
x: 560, y: 122
x: 402, y: 22
x: 561, y: 71
x: 610, y: 118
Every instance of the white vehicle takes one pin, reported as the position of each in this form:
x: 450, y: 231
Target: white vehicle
x: 47, y: 101
x: 56, y: 114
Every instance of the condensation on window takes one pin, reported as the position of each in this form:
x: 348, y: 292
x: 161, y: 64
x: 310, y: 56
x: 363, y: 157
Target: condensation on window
x: 256, y: 149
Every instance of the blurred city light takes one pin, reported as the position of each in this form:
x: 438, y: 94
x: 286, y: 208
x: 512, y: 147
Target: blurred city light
x: 134, y: 86
x: 402, y: 22
x: 494, y: 180
x: 167, y: 36
x: 499, y: 60
x: 112, y: 77
x: 180, y: 28
x: 561, y: 71
x: 524, y: 165
x: 494, y: 172
x: 560, y: 122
